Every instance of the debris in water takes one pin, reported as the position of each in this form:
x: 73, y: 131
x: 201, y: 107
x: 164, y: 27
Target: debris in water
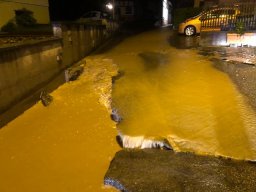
x: 118, y: 76
x: 115, y: 116
x: 143, y: 143
x: 114, y: 183
x: 167, y: 145
x: 119, y: 141
x: 46, y: 98
x: 73, y: 73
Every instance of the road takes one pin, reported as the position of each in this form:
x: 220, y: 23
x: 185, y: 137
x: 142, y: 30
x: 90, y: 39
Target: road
x: 179, y: 95
x: 162, y: 93
x: 66, y: 146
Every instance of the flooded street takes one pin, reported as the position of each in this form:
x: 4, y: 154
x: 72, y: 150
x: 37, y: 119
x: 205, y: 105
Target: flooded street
x: 163, y: 96
x: 177, y: 94
x: 66, y: 146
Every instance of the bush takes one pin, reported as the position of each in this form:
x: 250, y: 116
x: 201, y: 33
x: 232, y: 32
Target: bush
x: 9, y: 27
x: 25, y: 18
x: 240, y: 28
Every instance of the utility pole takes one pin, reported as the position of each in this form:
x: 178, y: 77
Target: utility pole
x: 113, y: 2
x: 197, y: 3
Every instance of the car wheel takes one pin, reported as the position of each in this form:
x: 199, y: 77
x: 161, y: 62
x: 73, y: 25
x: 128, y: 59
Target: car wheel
x: 190, y: 30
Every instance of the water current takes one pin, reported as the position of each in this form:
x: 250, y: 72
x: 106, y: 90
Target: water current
x: 178, y: 95
x: 163, y: 95
x: 66, y: 146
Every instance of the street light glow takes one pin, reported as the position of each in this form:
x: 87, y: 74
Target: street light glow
x: 109, y: 6
x: 165, y: 12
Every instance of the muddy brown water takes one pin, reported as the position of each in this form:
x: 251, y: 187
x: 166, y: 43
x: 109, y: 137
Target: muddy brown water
x: 179, y: 95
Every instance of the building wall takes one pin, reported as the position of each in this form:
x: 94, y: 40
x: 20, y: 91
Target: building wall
x: 197, y: 3
x: 205, y: 3
x: 26, y: 68
x: 228, y: 2
x: 39, y: 7
x: 124, y: 9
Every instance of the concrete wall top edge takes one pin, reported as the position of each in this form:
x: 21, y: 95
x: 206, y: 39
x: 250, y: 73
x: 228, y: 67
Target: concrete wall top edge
x: 77, y: 23
x: 29, y: 43
x: 217, y: 32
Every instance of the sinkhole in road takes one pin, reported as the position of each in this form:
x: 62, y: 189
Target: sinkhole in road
x: 174, y: 95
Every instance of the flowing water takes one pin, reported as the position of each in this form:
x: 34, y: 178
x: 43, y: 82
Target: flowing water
x: 174, y: 94
x: 162, y: 93
x: 66, y: 146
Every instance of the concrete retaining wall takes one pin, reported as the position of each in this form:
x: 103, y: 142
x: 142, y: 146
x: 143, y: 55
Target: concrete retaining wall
x: 213, y: 38
x: 27, y: 67
x: 225, y: 38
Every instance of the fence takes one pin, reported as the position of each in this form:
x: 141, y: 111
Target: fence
x: 238, y: 16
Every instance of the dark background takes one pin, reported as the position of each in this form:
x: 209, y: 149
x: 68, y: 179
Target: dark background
x: 73, y: 9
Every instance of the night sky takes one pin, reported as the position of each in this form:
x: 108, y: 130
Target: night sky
x: 182, y: 3
x: 73, y: 9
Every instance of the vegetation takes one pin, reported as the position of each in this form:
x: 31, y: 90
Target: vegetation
x: 23, y: 21
x: 24, y: 18
x: 9, y: 27
x: 182, y: 14
x: 240, y: 28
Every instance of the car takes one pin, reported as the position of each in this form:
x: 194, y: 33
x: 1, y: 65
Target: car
x: 93, y: 15
x: 192, y: 26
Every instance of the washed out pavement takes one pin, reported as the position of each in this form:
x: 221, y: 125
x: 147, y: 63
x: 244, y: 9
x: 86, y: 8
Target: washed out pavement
x: 69, y: 145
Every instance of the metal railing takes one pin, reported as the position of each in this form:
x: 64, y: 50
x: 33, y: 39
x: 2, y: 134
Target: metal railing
x: 230, y: 17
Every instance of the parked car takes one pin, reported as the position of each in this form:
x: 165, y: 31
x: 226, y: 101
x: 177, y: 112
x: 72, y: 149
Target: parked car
x: 192, y: 25
x: 93, y: 15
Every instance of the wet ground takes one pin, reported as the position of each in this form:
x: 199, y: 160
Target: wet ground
x: 167, y: 92
x: 66, y: 146
x: 183, y: 74
x: 152, y: 170
x: 179, y: 95
x: 183, y: 42
x: 30, y: 100
x: 243, y: 75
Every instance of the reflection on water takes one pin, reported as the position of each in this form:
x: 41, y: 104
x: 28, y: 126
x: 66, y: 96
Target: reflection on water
x: 178, y: 95
x: 183, y: 42
x: 152, y: 60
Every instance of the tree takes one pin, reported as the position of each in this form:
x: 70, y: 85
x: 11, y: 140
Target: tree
x: 24, y: 18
